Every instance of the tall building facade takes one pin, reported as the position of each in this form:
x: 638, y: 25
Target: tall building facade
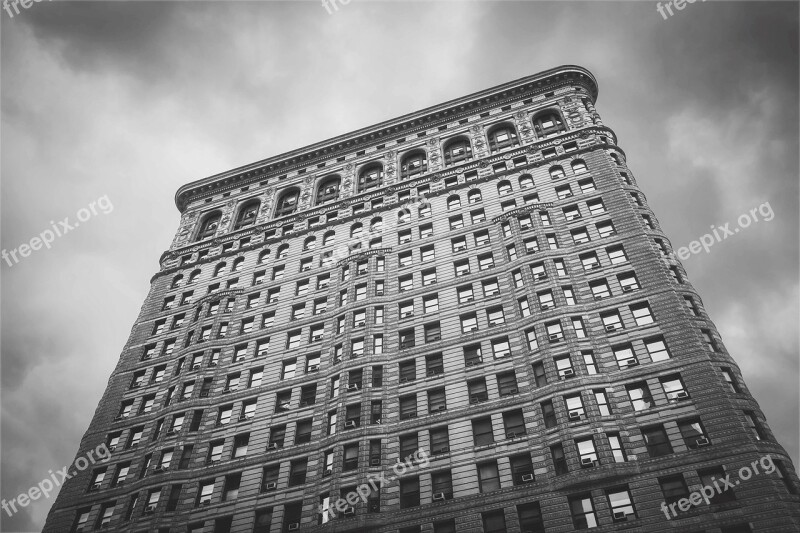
x: 466, y: 319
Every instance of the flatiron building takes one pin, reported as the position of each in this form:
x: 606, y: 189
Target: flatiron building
x: 465, y: 319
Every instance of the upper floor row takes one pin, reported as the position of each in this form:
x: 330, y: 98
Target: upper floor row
x: 371, y: 174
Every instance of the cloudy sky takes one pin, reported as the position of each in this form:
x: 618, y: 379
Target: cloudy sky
x: 132, y: 100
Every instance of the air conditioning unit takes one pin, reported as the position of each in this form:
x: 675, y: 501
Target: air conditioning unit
x: 681, y: 395
x: 433, y: 373
x: 243, y: 417
x: 568, y: 373
x: 574, y: 415
x: 702, y: 441
x: 272, y: 446
x: 595, y: 266
x: 120, y: 482
x: 476, y: 398
x: 527, y: 478
x: 271, y: 486
x: 620, y: 516
x: 631, y: 362
x: 405, y: 380
x: 294, y: 526
x: 435, y: 338
x: 205, y: 502
x: 375, y: 462
x: 349, y: 511
x: 545, y: 306
x: 353, y: 386
x: 611, y: 327
x: 212, y: 364
x: 512, y: 435
x: 406, y: 314
x: 541, y: 275
x: 410, y: 415
x: 471, y: 329
x: 350, y: 424
x: 443, y: 449
x: 441, y: 408
x: 554, y: 337
x: 627, y: 288
x: 112, y: 448
x: 587, y: 461
x: 439, y: 496
x: 359, y: 324
x: 512, y: 391
x: 313, y: 368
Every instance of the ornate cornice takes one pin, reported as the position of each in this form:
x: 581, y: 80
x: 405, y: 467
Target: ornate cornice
x: 387, y: 131
x: 482, y: 166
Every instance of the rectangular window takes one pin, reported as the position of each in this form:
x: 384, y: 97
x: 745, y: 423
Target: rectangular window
x: 621, y: 503
x: 693, y: 433
x: 639, y: 395
x: 582, y: 509
x: 549, y: 414
x: 615, y: 442
x: 559, y: 460
x: 482, y: 433
x: 488, y: 476
x: 656, y: 440
x: 539, y: 374
x: 642, y: 314
x: 602, y: 402
x: 673, y: 488
x: 657, y: 349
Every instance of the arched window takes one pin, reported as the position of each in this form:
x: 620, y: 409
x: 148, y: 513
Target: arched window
x: 504, y: 187
x: 525, y: 181
x: 424, y: 211
x: 176, y: 281
x: 456, y: 150
x: 328, y: 190
x: 453, y: 202
x: 356, y: 229
x: 264, y: 256
x: 283, y: 251
x: 557, y: 172
x: 403, y: 216
x: 474, y: 196
x: 370, y: 177
x: 376, y: 226
x: 329, y: 238
x: 310, y: 243
x: 194, y: 275
x: 208, y: 227
x: 237, y: 264
x: 502, y: 136
x: 615, y: 157
x: 578, y: 166
x: 220, y: 268
x: 287, y: 202
x: 247, y: 214
x: 413, y: 163
x: 548, y: 124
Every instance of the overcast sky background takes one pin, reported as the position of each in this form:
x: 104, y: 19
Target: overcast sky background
x: 132, y: 100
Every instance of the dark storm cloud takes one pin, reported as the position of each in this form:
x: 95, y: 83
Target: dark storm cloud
x: 134, y: 99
